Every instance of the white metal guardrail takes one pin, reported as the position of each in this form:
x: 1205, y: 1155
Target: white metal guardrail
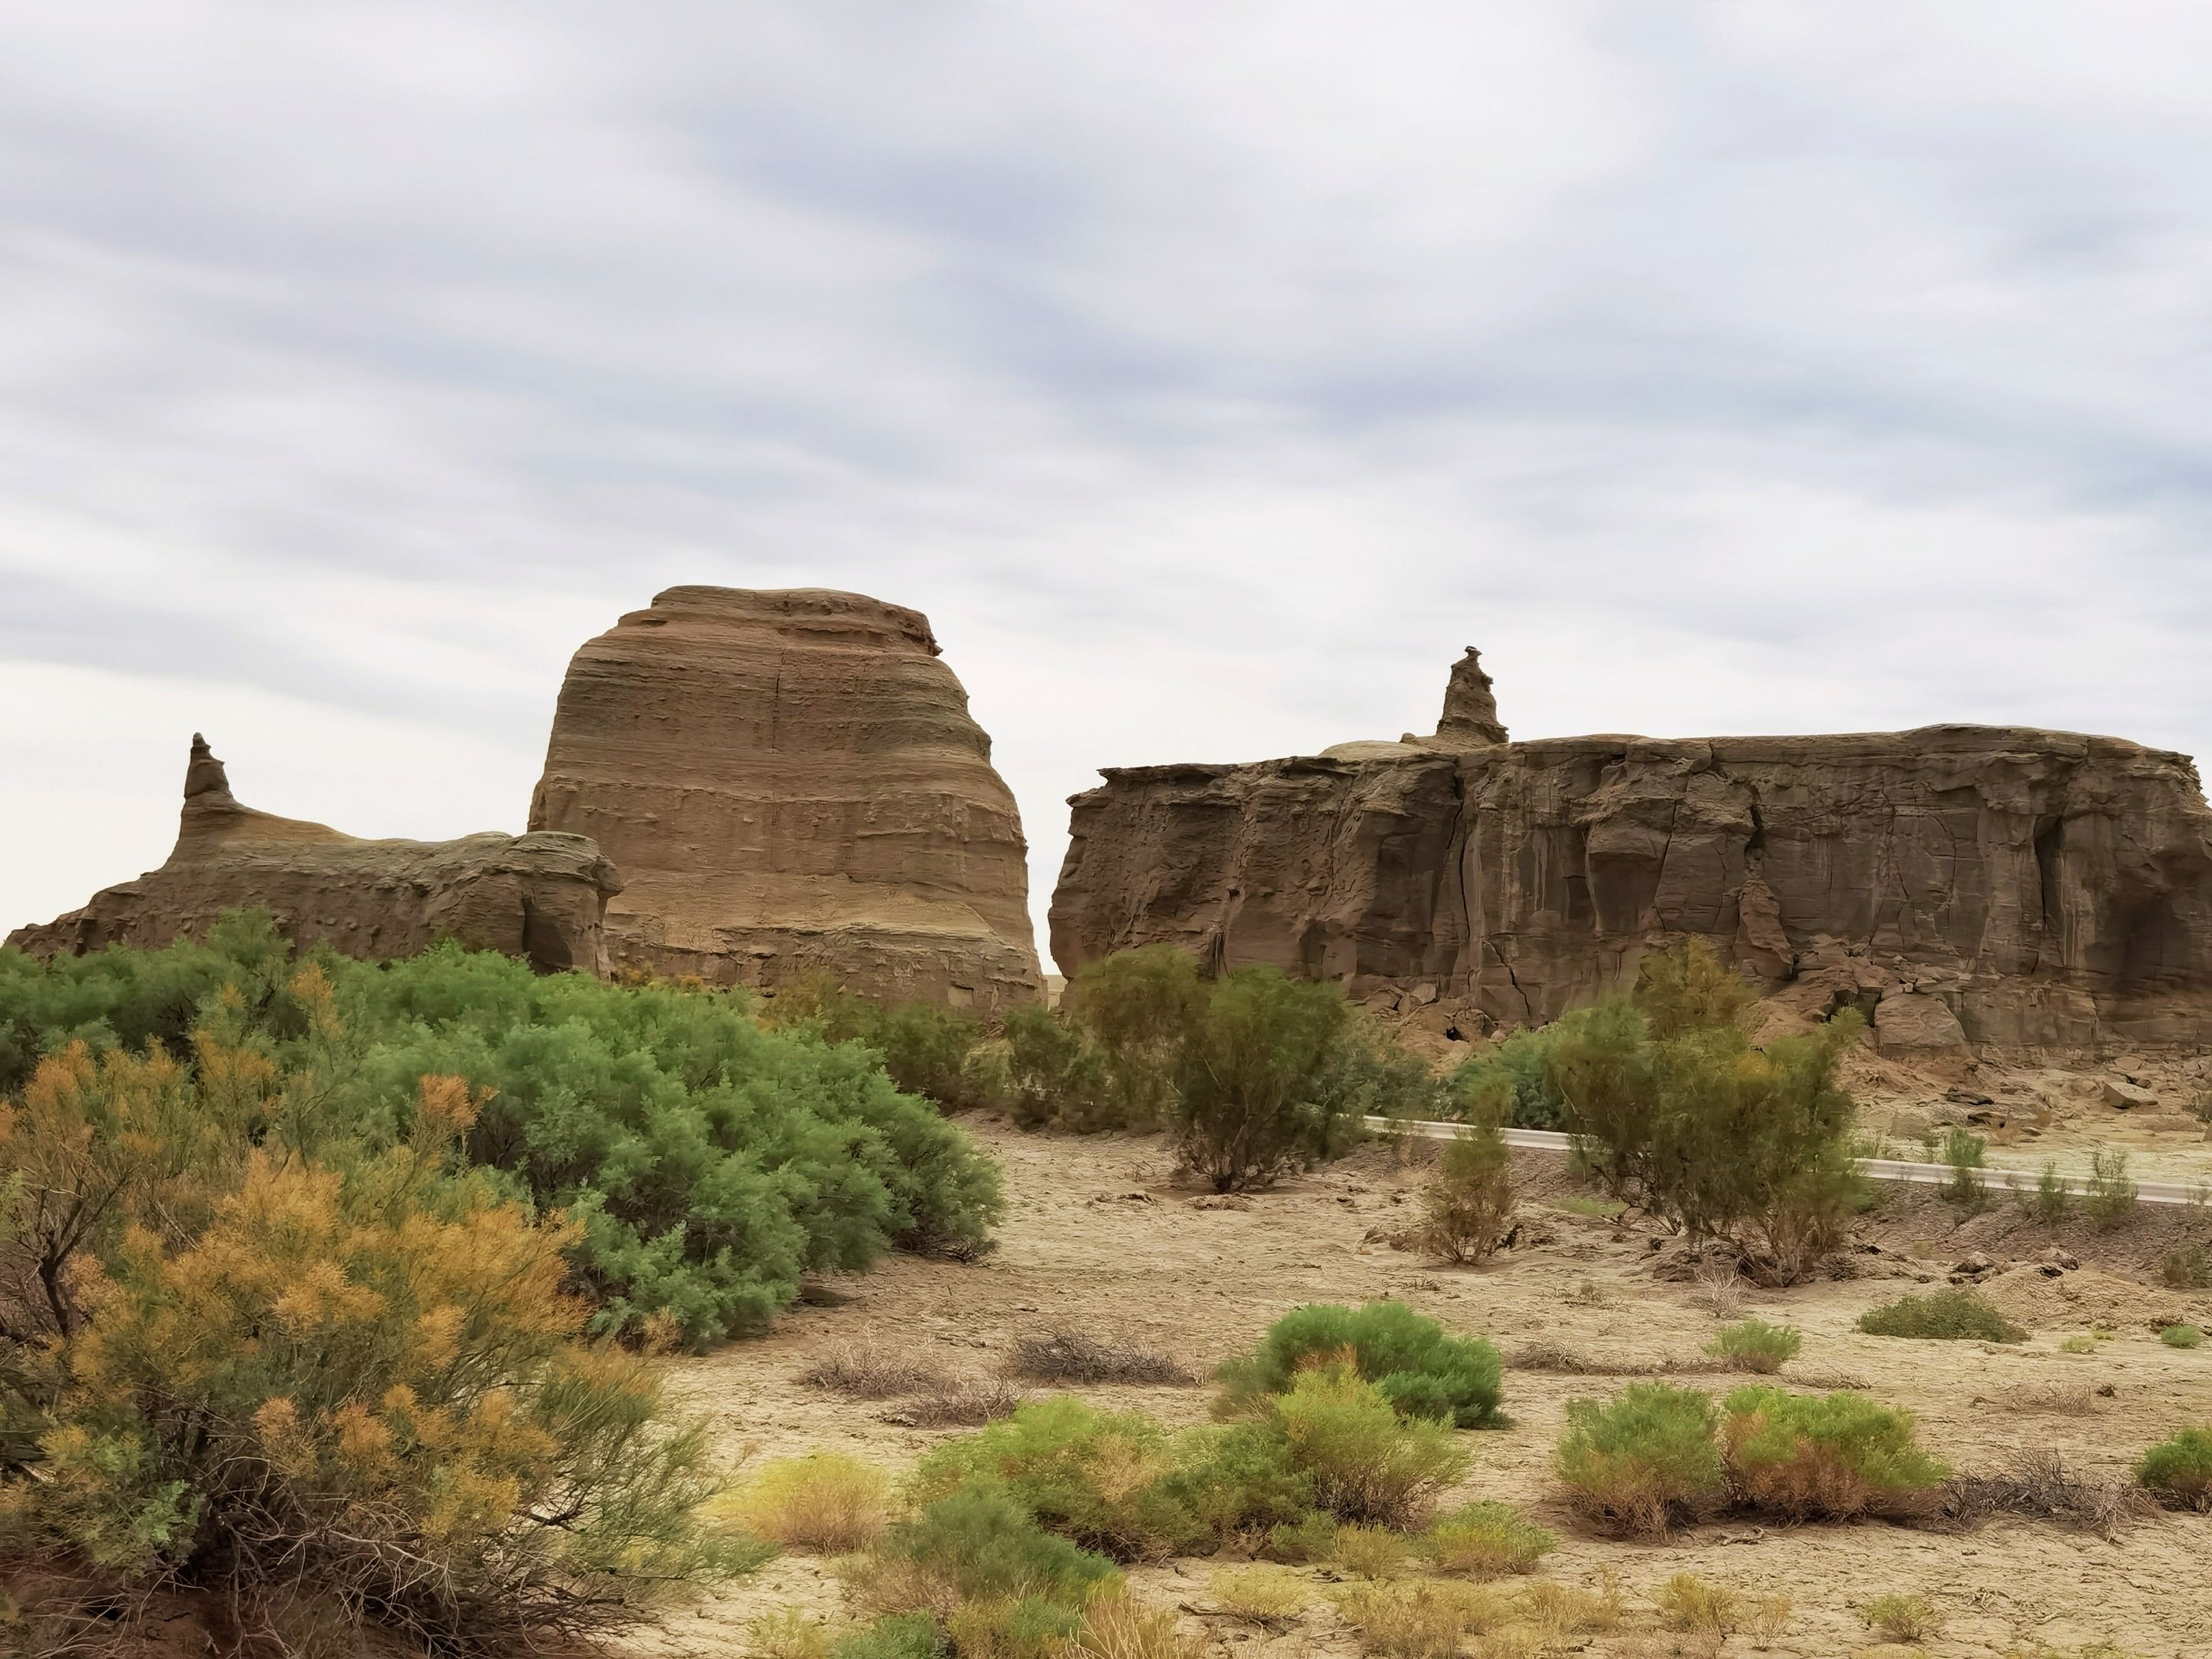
x: 1874, y: 1168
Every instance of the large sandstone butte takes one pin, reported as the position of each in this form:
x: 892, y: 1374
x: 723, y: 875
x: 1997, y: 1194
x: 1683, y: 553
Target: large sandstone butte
x: 1982, y: 885
x: 538, y: 896
x: 791, y: 784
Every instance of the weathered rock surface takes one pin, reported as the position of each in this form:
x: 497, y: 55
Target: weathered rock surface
x: 2042, y: 888
x: 539, y: 896
x: 791, y: 782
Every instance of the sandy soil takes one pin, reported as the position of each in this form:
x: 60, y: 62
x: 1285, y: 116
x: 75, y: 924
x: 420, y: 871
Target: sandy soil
x: 1097, y: 1237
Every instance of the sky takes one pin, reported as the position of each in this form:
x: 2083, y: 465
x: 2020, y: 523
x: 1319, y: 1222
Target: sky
x: 1209, y: 374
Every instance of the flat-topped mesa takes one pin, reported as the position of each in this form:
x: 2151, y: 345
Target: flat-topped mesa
x: 1965, y: 884
x: 538, y: 896
x: 792, y: 784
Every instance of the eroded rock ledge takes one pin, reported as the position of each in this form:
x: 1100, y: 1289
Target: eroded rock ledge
x: 541, y: 896
x: 1964, y: 883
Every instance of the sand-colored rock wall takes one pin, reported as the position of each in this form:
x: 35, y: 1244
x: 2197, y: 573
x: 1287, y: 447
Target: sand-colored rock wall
x: 790, y: 781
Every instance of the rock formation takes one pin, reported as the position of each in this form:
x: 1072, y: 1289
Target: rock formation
x: 539, y: 896
x: 790, y: 782
x: 1980, y: 884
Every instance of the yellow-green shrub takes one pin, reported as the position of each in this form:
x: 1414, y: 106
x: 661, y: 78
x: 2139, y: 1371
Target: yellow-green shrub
x: 1367, y: 1462
x: 1644, y: 1459
x: 827, y: 1501
x: 1486, y: 1539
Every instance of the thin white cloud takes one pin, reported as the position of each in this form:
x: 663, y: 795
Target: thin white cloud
x: 1209, y: 376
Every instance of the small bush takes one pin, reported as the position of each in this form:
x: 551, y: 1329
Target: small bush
x: 1265, y: 1595
x: 974, y: 1544
x: 1367, y: 1462
x: 867, y: 1369
x: 1522, y: 1061
x: 895, y: 1636
x: 787, y: 1633
x: 1965, y: 1152
x: 1420, y: 1617
x: 1069, y: 1356
x: 1101, y: 1479
x: 2186, y: 1266
x: 1116, y: 1626
x: 2109, y: 1195
x: 2078, y: 1345
x: 1753, y: 1345
x: 827, y: 1501
x: 2050, y: 1201
x: 1902, y: 1618
x: 1310, y: 1538
x: 1834, y: 1456
x: 1420, y: 1369
x: 2178, y: 1470
x: 2181, y: 1336
x: 1367, y: 1551
x: 1689, y: 1604
x: 1643, y: 1459
x: 1951, y: 1315
x: 1467, y: 1205
x: 1486, y: 1539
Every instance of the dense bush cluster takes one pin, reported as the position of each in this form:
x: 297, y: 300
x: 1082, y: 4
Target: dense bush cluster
x: 1672, y: 1106
x: 1253, y: 1073
x: 1657, y: 1455
x: 1953, y: 1314
x: 1411, y: 1360
x: 301, y: 1265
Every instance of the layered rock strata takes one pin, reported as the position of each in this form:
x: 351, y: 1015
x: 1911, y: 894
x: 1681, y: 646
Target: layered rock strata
x: 791, y: 783
x: 1964, y: 885
x: 541, y: 896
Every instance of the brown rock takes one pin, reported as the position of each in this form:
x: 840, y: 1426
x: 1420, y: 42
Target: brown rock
x: 791, y: 782
x: 1470, y: 713
x: 540, y: 897
x: 2059, y: 887
x: 1905, y: 1023
x: 2123, y: 1096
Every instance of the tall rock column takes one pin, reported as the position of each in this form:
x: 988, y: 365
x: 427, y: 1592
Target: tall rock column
x: 790, y: 782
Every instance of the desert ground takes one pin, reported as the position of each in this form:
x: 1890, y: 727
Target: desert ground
x: 1100, y: 1237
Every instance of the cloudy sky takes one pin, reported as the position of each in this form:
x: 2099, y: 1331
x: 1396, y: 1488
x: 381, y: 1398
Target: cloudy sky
x: 1210, y: 373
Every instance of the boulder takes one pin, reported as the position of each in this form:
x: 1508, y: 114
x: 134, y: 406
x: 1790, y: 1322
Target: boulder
x: 1907, y: 1022
x: 792, y: 785
x: 2058, y: 887
x: 2124, y: 1096
x: 542, y: 896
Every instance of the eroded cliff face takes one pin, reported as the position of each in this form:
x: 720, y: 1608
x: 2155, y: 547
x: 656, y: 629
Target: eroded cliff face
x: 790, y: 781
x: 539, y: 896
x: 1962, y: 884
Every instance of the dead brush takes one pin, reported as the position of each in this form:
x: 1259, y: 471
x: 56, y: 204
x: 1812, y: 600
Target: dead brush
x: 2039, y: 1485
x: 866, y: 1367
x: 965, y: 1406
x: 2058, y: 1400
x: 1071, y: 1356
x: 1561, y: 1360
x: 1719, y: 1291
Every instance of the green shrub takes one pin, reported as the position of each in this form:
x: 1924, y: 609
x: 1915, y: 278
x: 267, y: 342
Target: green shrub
x: 2186, y: 1266
x: 977, y: 1543
x: 1138, y: 1008
x: 1670, y: 1103
x: 1836, y: 1455
x: 1101, y: 1479
x: 893, y: 1636
x: 1060, y: 1077
x: 1485, y: 1538
x: 1467, y: 1203
x: 1643, y: 1459
x: 2181, y: 1336
x: 1897, y: 1618
x: 1523, y: 1061
x: 1420, y: 1369
x: 1367, y: 1462
x: 1755, y: 1345
x: 1953, y: 1314
x: 1967, y: 1153
x: 1369, y: 1073
x: 2178, y: 1470
x: 2051, y: 1200
x: 1310, y: 1538
x: 2108, y: 1195
x: 1247, y: 1102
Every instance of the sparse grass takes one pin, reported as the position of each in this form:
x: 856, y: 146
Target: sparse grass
x: 827, y: 1501
x: 1643, y: 1459
x: 1945, y: 1315
x: 1367, y: 1551
x: 1487, y: 1540
x: 964, y: 1405
x: 2038, y: 1486
x: 1689, y: 1604
x: 867, y: 1369
x: 2059, y: 1398
x: 1070, y: 1356
x: 1420, y: 1617
x: 2178, y: 1470
x: 2181, y: 1336
x: 1767, y: 1620
x: 1559, y: 1611
x: 1267, y: 1596
x: 2078, y: 1345
x: 1903, y: 1618
x: 787, y: 1633
x: 1116, y: 1626
x: 1753, y: 1345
